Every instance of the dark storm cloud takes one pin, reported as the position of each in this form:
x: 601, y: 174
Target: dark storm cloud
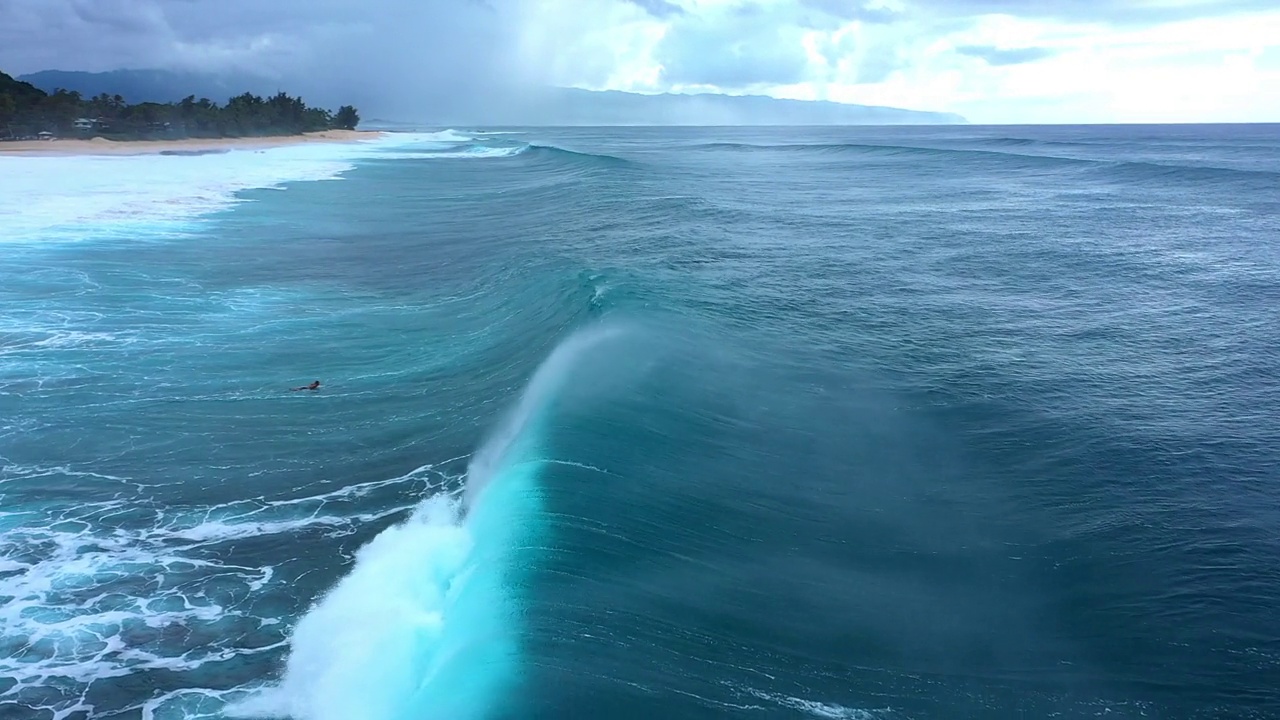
x: 997, y: 56
x: 398, y: 55
x: 76, y: 34
x: 85, y: 33
x: 119, y: 15
x: 105, y: 34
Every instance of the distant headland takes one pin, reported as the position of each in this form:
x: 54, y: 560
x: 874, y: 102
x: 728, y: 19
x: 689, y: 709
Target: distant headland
x: 28, y: 113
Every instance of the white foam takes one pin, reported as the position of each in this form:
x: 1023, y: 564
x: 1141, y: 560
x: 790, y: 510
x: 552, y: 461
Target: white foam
x: 78, y: 197
x: 471, y: 153
x: 444, y: 136
x: 422, y: 625
x: 481, y: 151
x: 188, y: 704
x: 828, y: 711
x: 376, y: 628
x: 69, y: 611
x: 137, y: 196
x: 83, y: 597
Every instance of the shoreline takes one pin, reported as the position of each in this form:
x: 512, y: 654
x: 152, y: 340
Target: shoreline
x: 189, y: 146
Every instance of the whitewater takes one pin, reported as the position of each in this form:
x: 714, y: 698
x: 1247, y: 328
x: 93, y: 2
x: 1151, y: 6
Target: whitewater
x: 74, y: 624
x: 646, y: 422
x: 422, y: 627
x: 55, y: 198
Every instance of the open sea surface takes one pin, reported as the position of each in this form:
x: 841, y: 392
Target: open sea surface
x: 844, y: 424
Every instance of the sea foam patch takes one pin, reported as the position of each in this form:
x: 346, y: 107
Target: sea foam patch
x: 85, y: 597
x: 86, y: 197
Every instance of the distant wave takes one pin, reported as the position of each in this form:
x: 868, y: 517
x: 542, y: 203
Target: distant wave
x: 473, y: 149
x: 554, y: 151
x: 457, y: 152
x: 77, y: 198
x: 1027, y: 142
x: 1121, y: 169
x: 446, y: 136
x: 212, y: 151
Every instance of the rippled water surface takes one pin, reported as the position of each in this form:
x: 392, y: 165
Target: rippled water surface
x: 909, y: 423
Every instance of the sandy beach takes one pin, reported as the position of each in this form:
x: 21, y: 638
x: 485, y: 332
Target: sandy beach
x: 102, y: 146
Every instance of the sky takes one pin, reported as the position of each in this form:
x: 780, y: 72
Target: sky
x: 993, y: 61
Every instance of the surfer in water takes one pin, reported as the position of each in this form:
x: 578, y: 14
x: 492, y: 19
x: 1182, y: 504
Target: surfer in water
x: 315, y: 385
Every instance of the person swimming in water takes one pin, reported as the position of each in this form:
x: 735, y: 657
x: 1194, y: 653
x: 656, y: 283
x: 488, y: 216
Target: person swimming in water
x: 315, y: 385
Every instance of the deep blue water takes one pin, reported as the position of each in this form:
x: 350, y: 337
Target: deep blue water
x: 648, y: 423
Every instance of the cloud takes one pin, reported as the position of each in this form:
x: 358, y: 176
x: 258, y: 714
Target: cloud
x: 402, y: 56
x: 735, y: 46
x: 1114, y: 12
x: 120, y: 15
x: 993, y: 60
x: 847, y: 10
x: 999, y: 56
x: 658, y: 8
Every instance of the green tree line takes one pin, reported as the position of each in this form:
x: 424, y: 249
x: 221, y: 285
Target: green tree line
x: 25, y: 110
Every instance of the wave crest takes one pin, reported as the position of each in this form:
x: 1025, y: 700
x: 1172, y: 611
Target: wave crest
x: 424, y: 624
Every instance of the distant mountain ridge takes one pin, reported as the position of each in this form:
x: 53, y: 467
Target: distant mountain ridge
x: 572, y: 106
x: 555, y: 106
x: 19, y: 90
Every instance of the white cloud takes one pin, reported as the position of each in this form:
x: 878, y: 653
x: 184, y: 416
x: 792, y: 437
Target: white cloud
x: 1188, y: 71
x: 989, y: 67
x: 733, y: 46
x: 605, y: 45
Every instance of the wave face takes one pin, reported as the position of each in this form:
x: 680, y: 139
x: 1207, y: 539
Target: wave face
x: 874, y: 423
x: 1021, y: 153
x: 423, y: 626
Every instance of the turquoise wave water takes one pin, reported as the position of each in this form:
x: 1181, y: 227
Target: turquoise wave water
x: 834, y: 423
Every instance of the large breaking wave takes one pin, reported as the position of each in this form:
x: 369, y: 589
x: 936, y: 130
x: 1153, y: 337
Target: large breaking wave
x: 425, y: 625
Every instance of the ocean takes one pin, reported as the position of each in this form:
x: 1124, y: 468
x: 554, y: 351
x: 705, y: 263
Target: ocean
x: 632, y: 423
